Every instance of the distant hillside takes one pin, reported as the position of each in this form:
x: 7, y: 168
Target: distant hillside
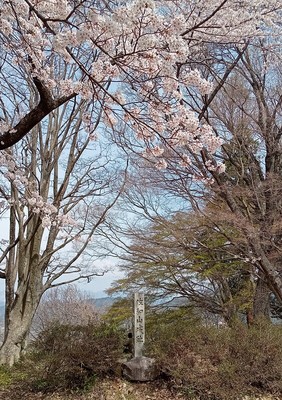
x: 103, y: 303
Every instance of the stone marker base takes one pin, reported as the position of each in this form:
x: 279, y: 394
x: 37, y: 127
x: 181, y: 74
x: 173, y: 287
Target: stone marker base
x: 140, y: 369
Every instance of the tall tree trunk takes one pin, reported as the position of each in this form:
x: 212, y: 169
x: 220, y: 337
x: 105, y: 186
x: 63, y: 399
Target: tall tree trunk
x: 262, y: 299
x: 19, y: 321
x: 15, y: 338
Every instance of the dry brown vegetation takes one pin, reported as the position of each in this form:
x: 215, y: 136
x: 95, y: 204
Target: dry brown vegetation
x: 115, y: 389
x: 196, y: 362
x: 112, y: 390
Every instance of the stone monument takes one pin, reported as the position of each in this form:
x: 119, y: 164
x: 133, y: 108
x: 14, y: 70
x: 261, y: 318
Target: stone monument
x: 140, y: 368
x: 139, y: 324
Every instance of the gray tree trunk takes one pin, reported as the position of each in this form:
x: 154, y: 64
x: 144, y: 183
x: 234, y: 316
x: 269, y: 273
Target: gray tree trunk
x: 262, y: 299
x: 18, y: 321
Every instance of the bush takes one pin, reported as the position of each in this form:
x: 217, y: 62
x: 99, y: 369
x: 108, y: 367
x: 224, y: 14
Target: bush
x: 5, y: 377
x: 72, y: 357
x: 220, y: 364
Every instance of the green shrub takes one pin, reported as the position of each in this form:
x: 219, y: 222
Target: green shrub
x: 5, y: 377
x: 72, y: 357
x: 219, y: 364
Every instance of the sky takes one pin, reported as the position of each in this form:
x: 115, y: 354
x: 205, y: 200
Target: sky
x: 95, y: 289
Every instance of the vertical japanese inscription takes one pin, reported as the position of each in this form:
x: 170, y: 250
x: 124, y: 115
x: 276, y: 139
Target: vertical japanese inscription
x: 139, y: 324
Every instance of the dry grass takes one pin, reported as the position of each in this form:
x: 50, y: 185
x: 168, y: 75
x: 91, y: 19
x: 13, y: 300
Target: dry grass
x: 111, y: 390
x: 105, y: 390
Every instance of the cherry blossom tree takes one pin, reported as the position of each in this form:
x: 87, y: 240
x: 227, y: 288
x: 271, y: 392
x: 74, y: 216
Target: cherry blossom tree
x: 245, y: 192
x: 132, y: 62
x: 64, y: 305
x: 247, y: 115
x: 143, y: 46
x: 59, y: 185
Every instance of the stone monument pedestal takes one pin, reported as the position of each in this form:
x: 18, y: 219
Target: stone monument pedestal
x: 140, y: 369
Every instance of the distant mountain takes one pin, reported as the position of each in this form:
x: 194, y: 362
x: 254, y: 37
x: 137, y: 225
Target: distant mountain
x: 102, y: 305
x: 104, y: 302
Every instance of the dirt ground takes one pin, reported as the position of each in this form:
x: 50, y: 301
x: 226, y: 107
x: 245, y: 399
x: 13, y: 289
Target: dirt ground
x: 106, y: 390
x: 109, y: 390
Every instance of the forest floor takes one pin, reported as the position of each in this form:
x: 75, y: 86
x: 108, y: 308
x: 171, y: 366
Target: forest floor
x: 109, y: 390
x: 105, y: 390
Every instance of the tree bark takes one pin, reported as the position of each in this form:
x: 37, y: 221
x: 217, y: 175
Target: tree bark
x: 19, y: 320
x: 262, y: 299
x: 45, y: 106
